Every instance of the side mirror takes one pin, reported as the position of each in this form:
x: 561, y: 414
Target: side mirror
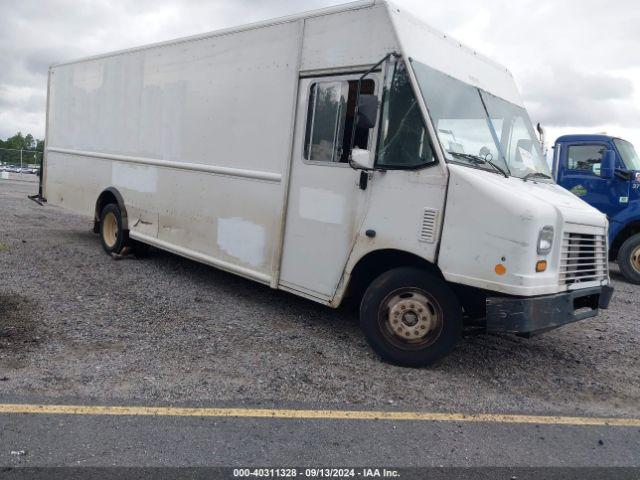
x: 367, y: 110
x: 361, y: 159
x: 608, y: 165
x: 541, y: 136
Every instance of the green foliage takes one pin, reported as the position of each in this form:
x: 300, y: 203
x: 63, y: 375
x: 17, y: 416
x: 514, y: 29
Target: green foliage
x: 29, y: 142
x: 16, y: 142
x: 9, y: 149
x: 23, y: 142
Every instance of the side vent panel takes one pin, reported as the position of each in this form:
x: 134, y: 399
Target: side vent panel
x: 428, y: 225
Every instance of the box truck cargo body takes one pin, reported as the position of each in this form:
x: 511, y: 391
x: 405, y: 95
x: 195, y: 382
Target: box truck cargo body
x: 346, y: 152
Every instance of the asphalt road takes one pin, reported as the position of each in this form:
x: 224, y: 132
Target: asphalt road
x: 77, y: 328
x: 99, y: 440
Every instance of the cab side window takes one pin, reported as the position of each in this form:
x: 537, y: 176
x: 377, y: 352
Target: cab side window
x: 330, y: 114
x: 586, y: 158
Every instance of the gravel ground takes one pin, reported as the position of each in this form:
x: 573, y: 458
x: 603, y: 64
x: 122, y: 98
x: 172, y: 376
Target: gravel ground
x: 75, y: 323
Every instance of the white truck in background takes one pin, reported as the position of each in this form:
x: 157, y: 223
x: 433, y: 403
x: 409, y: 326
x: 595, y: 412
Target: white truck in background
x: 347, y: 152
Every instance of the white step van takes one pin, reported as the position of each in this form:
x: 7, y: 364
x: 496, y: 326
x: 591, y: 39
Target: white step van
x: 350, y: 152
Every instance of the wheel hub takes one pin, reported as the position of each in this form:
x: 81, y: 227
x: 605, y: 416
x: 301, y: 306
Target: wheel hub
x: 635, y: 259
x: 110, y: 229
x: 412, y: 317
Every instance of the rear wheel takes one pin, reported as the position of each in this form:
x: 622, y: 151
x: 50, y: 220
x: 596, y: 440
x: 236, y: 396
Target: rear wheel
x: 112, y: 236
x: 410, y: 317
x: 629, y: 259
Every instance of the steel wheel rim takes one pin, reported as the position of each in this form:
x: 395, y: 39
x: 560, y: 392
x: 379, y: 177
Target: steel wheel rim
x: 410, y: 318
x: 110, y: 229
x: 635, y: 259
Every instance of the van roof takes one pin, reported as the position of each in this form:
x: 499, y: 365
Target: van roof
x: 356, y: 5
x: 344, y: 7
x: 411, y: 36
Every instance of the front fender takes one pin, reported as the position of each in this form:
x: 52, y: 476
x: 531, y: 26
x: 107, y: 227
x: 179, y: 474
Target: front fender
x: 618, y: 222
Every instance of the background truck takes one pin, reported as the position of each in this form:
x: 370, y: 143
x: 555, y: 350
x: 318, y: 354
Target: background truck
x: 604, y: 171
x: 347, y: 152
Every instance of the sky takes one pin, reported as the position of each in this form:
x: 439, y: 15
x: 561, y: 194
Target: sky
x: 576, y: 62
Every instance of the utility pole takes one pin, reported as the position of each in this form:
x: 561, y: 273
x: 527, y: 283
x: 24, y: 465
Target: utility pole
x: 20, y: 160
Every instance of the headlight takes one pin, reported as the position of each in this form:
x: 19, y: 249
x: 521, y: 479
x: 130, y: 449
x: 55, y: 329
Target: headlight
x: 545, y: 240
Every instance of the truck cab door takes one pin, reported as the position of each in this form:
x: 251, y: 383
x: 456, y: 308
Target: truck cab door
x: 325, y: 207
x: 579, y: 172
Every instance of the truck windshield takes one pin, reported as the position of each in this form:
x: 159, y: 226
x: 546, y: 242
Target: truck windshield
x: 628, y: 154
x: 474, y: 125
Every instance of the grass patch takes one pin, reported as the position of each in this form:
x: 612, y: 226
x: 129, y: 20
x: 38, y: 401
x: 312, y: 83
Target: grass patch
x: 4, y: 247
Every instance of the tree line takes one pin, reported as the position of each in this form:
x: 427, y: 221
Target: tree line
x: 23, y: 142
x: 32, y: 147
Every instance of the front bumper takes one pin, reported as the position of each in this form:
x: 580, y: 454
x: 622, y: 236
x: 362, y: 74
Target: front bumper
x: 531, y: 315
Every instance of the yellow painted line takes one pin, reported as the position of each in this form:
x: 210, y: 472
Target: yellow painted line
x: 314, y: 414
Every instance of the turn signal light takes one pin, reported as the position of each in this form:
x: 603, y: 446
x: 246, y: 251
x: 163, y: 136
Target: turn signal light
x: 541, y: 266
x: 500, y: 269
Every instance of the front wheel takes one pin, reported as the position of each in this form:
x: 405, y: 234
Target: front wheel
x: 410, y: 317
x: 629, y: 259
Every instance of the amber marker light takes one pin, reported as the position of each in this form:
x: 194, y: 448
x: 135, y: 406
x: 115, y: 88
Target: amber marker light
x: 500, y: 269
x: 541, y: 266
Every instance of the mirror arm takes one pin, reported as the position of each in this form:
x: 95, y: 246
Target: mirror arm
x: 355, y: 112
x: 364, y: 180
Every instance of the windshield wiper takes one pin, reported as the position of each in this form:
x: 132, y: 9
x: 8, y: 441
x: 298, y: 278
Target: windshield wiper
x: 478, y: 160
x: 535, y: 174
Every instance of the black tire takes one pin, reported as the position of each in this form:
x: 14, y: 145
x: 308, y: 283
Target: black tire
x: 629, y: 259
x: 112, y: 235
x: 415, y: 295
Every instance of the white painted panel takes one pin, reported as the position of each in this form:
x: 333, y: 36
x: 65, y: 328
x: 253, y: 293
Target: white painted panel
x: 75, y: 182
x: 325, y: 211
x: 143, y: 221
x: 346, y: 39
x: 503, y: 217
x: 212, y: 101
x: 243, y: 240
x: 396, y: 211
x: 140, y: 178
x: 322, y: 205
x: 191, y: 132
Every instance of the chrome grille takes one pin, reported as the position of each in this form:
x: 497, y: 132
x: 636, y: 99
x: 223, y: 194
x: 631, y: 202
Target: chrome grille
x: 584, y: 258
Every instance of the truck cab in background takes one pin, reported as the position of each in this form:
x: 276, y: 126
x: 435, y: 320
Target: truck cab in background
x: 604, y: 171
